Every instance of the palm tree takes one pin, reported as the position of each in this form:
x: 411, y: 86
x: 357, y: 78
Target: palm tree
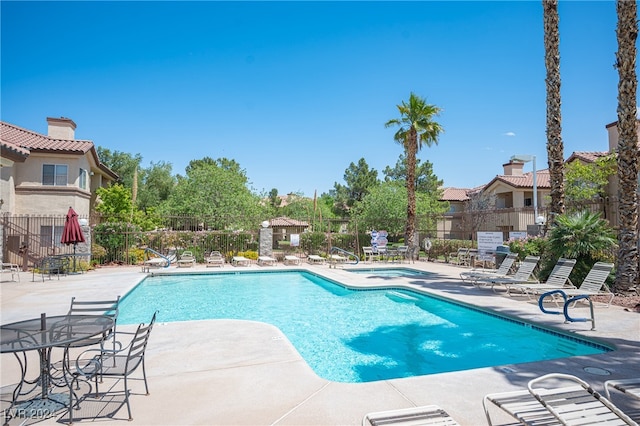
x: 555, y: 149
x: 627, y: 32
x: 416, y: 127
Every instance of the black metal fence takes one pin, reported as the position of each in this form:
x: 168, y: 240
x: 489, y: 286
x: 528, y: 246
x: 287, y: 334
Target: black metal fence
x: 26, y: 239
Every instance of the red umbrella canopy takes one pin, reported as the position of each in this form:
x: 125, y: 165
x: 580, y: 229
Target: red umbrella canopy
x: 72, y: 233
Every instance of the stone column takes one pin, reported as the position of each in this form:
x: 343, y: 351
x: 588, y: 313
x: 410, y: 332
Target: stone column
x: 265, y: 244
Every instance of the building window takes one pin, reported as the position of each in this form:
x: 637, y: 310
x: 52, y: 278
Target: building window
x: 528, y: 202
x: 50, y: 236
x: 54, y: 174
x: 82, y: 181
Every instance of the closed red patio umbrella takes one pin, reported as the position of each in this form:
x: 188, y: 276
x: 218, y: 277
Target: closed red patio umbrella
x: 72, y: 233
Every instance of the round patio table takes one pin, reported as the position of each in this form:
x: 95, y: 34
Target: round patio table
x: 42, y: 335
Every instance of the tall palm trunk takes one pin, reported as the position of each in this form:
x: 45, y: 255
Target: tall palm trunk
x: 627, y: 32
x: 412, y: 152
x: 555, y: 149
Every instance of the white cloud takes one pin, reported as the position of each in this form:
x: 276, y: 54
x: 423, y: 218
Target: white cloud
x: 510, y: 134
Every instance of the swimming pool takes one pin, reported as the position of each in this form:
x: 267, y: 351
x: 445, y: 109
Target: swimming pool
x: 390, y: 272
x: 353, y: 336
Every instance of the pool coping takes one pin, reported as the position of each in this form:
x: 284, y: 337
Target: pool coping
x: 248, y: 373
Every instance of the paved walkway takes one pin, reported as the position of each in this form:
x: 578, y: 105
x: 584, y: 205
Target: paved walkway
x: 247, y: 373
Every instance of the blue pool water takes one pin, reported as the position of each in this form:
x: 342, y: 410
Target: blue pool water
x: 390, y: 272
x: 352, y: 336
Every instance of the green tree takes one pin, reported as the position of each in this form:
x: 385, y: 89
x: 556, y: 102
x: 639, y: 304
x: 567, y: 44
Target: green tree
x: 217, y: 194
x: 627, y: 33
x: 426, y: 181
x: 416, y: 127
x: 115, y: 201
x: 156, y: 184
x: 384, y: 208
x: 359, y: 179
x: 583, y: 236
x: 122, y: 163
x: 585, y: 181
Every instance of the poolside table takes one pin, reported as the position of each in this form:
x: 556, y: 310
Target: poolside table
x: 36, y: 397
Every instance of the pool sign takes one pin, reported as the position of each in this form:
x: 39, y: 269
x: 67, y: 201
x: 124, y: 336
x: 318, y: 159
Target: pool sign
x: 487, y: 244
x: 378, y: 239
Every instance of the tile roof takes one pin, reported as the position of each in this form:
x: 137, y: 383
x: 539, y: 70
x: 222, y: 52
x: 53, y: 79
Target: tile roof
x: 587, y: 157
x: 455, y: 194
x: 13, y: 152
x: 285, y: 221
x: 526, y: 179
x: 17, y: 143
x: 33, y: 141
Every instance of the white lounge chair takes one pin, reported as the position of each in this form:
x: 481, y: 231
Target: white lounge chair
x: 159, y: 262
x: 558, y: 278
x: 215, y: 258
x: 592, y: 285
x: 425, y: 415
x: 502, y: 271
x: 267, y: 261
x: 291, y: 260
x: 523, y: 274
x: 573, y: 403
x: 315, y: 259
x: 187, y: 259
x: 629, y: 387
x: 240, y: 261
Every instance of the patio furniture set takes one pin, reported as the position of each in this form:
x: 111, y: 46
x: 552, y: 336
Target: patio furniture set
x: 67, y: 381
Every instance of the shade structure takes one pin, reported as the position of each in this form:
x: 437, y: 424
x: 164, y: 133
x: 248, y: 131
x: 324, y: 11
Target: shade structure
x: 72, y: 233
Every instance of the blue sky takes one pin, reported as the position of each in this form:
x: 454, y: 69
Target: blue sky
x: 296, y: 91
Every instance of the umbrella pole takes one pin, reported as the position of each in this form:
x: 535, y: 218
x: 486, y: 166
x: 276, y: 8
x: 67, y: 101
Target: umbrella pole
x: 74, y: 257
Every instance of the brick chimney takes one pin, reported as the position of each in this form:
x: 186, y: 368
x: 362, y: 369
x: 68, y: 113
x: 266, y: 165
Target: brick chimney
x: 513, y: 168
x: 61, y: 128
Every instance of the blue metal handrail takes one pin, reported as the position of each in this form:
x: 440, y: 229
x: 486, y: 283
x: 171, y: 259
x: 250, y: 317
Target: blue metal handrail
x: 348, y: 253
x: 567, y: 303
x: 148, y: 250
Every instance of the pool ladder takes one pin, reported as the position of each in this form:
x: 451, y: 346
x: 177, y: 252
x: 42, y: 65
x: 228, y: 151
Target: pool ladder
x: 350, y: 255
x: 567, y: 302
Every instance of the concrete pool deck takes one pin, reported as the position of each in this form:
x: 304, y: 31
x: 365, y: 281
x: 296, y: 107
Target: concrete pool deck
x: 224, y: 372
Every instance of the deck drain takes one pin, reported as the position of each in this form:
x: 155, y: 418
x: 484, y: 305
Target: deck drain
x: 597, y: 371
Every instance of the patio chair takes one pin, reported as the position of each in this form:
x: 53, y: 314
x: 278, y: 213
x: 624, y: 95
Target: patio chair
x: 461, y: 257
x: 187, y: 259
x: 368, y: 254
x: 629, y: 387
x: 522, y: 275
x: 119, y: 364
x: 559, y: 278
x: 51, y: 265
x: 575, y: 403
x: 12, y: 269
x: 425, y: 415
x: 291, y: 260
x: 96, y: 307
x: 215, y: 258
x: 502, y: 271
x: 267, y: 261
x: 239, y: 261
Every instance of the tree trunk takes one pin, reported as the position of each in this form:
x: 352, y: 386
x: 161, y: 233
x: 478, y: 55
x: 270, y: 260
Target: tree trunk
x: 555, y: 149
x: 627, y: 32
x: 412, y: 149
